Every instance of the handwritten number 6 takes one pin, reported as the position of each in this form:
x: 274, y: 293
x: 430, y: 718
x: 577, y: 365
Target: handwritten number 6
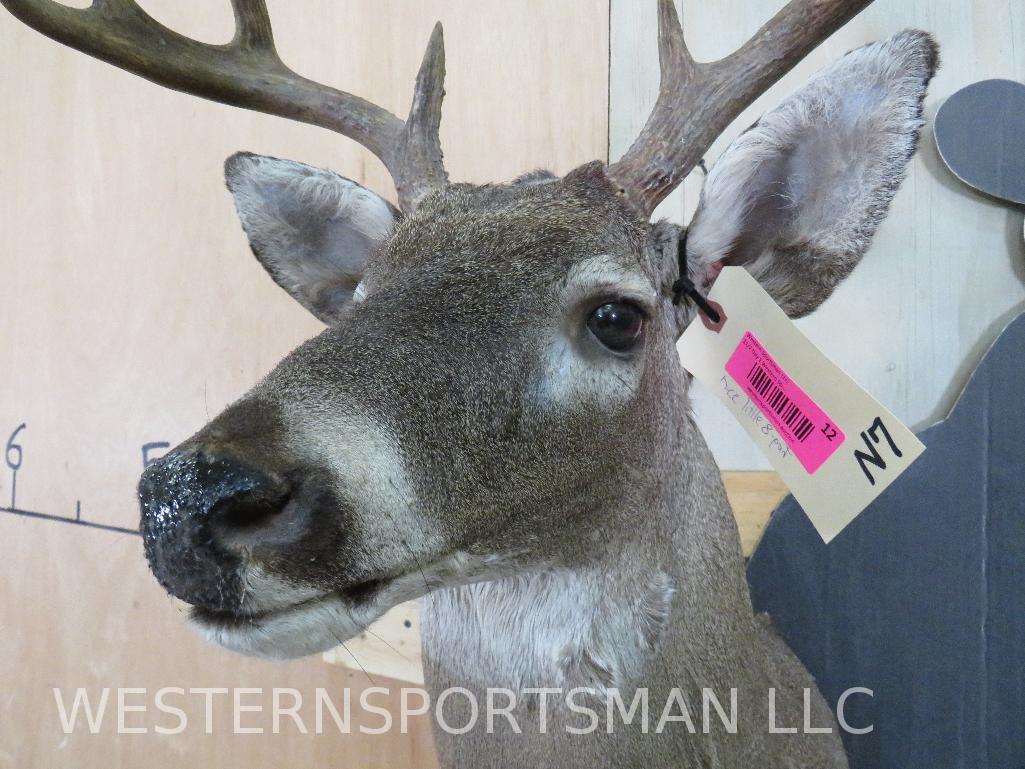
x: 14, y: 449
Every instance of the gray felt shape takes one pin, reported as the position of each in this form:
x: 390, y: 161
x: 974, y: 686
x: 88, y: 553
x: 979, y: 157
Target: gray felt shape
x: 980, y: 133
x: 922, y: 597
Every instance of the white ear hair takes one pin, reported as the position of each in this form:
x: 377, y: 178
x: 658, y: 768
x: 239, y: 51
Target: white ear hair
x: 797, y: 198
x: 312, y: 229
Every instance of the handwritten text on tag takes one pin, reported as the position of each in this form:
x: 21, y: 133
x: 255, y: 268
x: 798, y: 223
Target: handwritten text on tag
x: 834, y: 445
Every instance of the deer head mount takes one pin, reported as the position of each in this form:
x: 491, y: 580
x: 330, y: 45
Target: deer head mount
x: 497, y: 392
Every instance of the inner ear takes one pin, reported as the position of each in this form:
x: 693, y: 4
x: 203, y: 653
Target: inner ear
x: 797, y: 197
x: 766, y: 214
x: 310, y: 228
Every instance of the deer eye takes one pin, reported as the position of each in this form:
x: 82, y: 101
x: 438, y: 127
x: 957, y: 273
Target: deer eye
x: 617, y: 325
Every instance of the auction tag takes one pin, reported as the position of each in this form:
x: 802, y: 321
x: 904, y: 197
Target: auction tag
x: 833, y: 444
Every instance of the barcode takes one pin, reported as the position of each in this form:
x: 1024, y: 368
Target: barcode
x: 780, y: 403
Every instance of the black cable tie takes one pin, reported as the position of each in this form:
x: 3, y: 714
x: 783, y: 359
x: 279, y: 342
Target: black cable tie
x: 684, y: 286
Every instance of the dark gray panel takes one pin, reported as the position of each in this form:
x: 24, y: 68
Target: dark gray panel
x: 922, y: 597
x: 980, y: 133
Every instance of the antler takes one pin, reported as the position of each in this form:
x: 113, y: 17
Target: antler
x: 697, y: 100
x: 247, y: 72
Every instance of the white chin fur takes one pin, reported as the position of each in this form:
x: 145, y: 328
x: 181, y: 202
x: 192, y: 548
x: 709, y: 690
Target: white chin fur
x: 308, y: 628
x: 318, y: 624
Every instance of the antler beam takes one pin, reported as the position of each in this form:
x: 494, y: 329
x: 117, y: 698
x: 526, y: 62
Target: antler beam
x: 247, y: 72
x: 697, y: 101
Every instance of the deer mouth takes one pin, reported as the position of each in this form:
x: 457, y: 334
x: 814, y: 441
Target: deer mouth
x: 321, y: 621
x: 269, y: 603
x: 309, y: 626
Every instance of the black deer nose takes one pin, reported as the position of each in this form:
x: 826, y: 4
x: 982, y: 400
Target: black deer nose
x: 199, y: 510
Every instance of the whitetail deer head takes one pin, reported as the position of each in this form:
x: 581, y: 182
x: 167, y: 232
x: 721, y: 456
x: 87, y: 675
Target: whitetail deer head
x: 498, y: 375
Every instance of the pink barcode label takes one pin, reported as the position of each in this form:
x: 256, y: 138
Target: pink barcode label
x: 806, y: 428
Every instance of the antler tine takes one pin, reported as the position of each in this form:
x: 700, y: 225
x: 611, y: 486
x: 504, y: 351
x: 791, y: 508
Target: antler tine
x: 252, y: 24
x: 421, y: 148
x: 674, y: 59
x: 696, y: 101
x: 247, y: 72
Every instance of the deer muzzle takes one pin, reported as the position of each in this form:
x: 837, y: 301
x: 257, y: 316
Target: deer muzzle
x: 202, y: 513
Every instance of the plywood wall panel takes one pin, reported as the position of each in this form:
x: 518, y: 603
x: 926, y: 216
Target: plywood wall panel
x: 946, y: 270
x: 131, y: 310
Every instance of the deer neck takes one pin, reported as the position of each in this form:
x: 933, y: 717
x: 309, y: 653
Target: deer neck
x: 658, y: 603
x: 658, y: 585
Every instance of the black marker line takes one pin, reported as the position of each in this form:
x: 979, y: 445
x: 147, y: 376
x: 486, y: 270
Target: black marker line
x: 72, y: 521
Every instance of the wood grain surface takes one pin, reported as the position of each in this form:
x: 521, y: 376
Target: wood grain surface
x: 132, y: 310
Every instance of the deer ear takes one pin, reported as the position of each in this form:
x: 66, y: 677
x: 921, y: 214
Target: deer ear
x: 312, y: 229
x: 797, y: 198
